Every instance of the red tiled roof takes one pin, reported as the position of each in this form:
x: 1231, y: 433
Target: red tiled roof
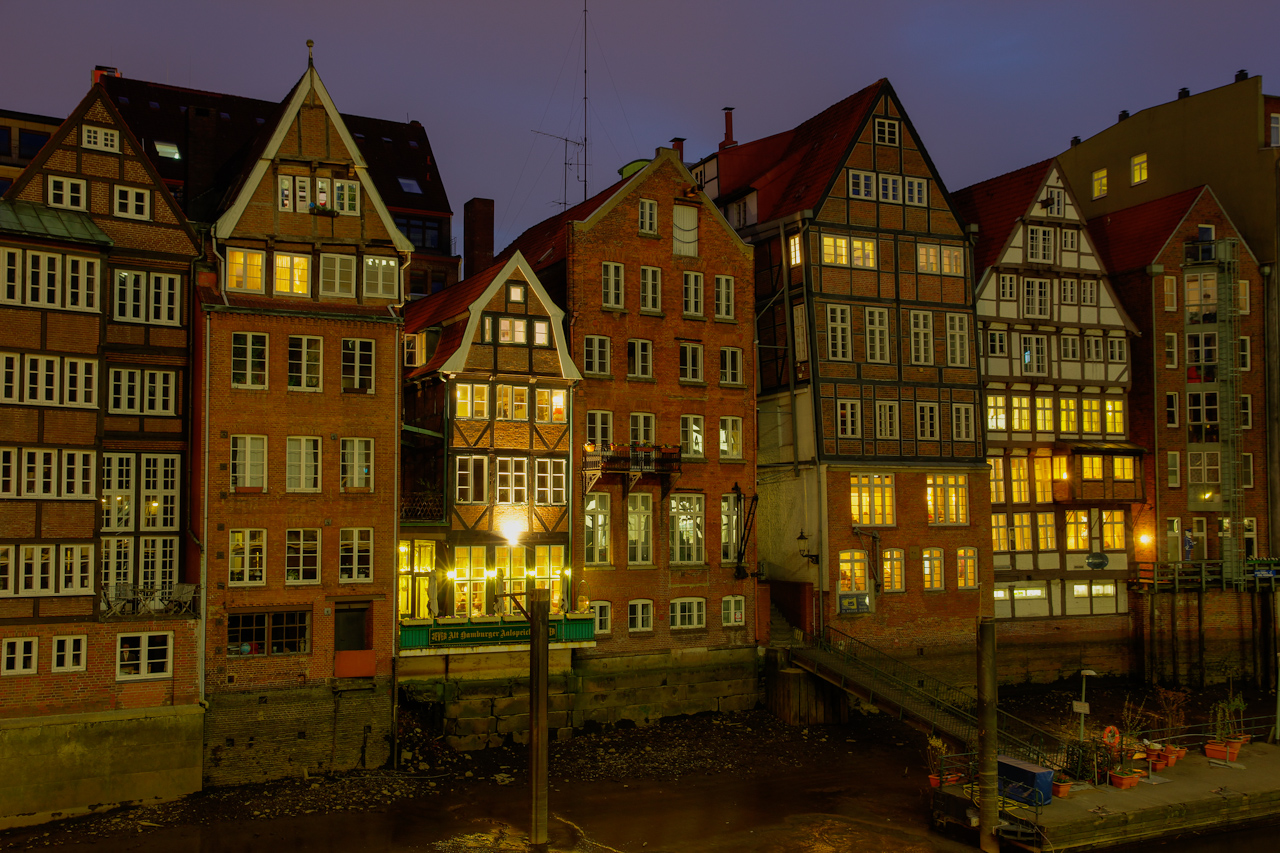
x: 1132, y: 238
x: 995, y: 206
x: 440, y: 307
x: 790, y: 171
x: 545, y: 243
x: 450, y: 340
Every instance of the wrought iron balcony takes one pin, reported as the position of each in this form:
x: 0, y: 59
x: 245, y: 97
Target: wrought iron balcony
x: 422, y: 506
x: 632, y: 461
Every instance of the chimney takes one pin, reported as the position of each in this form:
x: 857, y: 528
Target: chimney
x: 678, y: 144
x: 100, y: 71
x: 1124, y: 114
x: 1075, y: 140
x: 477, y: 236
x: 1184, y: 92
x: 729, y: 141
x: 1242, y: 75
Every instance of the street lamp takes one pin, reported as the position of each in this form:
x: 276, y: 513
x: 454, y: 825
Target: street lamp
x: 802, y: 543
x: 1084, y: 673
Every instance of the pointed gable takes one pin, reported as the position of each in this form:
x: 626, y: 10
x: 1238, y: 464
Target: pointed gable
x: 1132, y: 238
x: 996, y: 206
x: 93, y: 164
x: 308, y: 130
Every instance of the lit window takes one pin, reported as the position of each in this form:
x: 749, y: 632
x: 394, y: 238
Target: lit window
x: 891, y: 570
x: 835, y: 250
x: 863, y: 253
x: 244, y: 270
x: 1122, y: 467
x: 931, y: 566
x: 871, y: 499
x: 853, y: 571
x: 687, y: 529
x: 947, y: 497
x: 1138, y: 168
x: 1099, y: 182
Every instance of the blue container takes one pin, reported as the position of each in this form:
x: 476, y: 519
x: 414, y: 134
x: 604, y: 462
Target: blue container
x: 1025, y: 782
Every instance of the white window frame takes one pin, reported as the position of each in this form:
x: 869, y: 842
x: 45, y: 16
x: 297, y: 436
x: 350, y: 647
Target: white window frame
x: 100, y: 138
x: 613, y: 280
x: 643, y: 428
x: 471, y: 479
x: 962, y: 422
x: 640, y: 615
x: 309, y: 364
x: 957, y: 340
x: 886, y: 419
x: 337, y: 276
x: 381, y: 277
x: 693, y: 294
x: 730, y: 437
x: 291, y: 274
x: 237, y: 270
x: 640, y: 528
x: 602, y: 617
x: 1040, y: 244
x: 724, y: 297
x: 639, y: 359
x: 596, y: 534
x: 599, y: 427
x: 688, y: 529
x: 302, y: 463
x: 355, y: 464
x: 358, y: 365
x: 65, y: 192
x: 255, y: 359
x: 346, y: 197
x: 648, y: 213
x: 886, y: 130
x: 1036, y: 301
x: 952, y: 260
x: 248, y: 462
x: 19, y: 656
x: 302, y: 557
x: 692, y: 437
x: 861, y: 185
x: 355, y: 555
x: 835, y: 250
x: 688, y: 612
x: 922, y: 337
x: 839, y: 333
x: 733, y: 611
x: 131, y: 202
x: 1035, y: 355
x: 512, y: 485
x: 550, y: 482
x: 730, y: 366
x: 917, y: 191
x: 926, y: 421
x: 877, y: 335
x: 890, y: 189
x: 684, y: 230
x: 691, y: 362
x: 247, y: 556
x: 73, y: 648
x: 849, y: 418
x: 650, y: 289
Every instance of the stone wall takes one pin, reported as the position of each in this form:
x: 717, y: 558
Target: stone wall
x: 489, y: 705
x: 61, y: 765
x: 273, y: 733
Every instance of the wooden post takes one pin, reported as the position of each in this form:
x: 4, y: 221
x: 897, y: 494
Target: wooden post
x: 988, y: 740
x: 539, y: 654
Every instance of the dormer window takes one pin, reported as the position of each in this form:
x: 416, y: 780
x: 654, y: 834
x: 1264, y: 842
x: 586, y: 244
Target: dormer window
x: 410, y: 185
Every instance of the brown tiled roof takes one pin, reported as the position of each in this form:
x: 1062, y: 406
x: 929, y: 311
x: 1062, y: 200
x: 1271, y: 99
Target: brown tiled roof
x: 995, y: 206
x: 1132, y: 238
x: 791, y: 171
x: 212, y: 162
x: 450, y: 340
x: 545, y: 243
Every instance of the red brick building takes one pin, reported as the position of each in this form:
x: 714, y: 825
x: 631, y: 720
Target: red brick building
x: 296, y: 430
x: 1194, y: 287
x: 870, y: 401
x: 98, y: 613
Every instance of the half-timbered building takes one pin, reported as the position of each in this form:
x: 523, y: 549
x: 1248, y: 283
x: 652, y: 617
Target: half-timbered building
x: 873, y: 485
x: 1056, y: 350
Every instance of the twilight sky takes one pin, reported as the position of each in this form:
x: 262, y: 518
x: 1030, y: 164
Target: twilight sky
x: 991, y: 85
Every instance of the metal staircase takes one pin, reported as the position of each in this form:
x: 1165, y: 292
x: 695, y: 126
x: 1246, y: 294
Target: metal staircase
x: 925, y: 701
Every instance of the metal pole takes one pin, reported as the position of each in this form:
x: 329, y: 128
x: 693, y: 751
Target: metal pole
x: 988, y: 741
x: 1083, y: 680
x: 539, y: 653
x: 1275, y: 730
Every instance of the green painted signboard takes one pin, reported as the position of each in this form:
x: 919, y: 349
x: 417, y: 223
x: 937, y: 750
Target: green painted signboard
x: 559, y: 630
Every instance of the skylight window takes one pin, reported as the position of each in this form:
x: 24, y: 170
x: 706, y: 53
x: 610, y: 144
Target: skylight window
x: 155, y: 105
x: 168, y: 150
x: 413, y: 143
x: 410, y: 185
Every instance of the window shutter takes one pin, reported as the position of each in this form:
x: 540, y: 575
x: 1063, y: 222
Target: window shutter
x: 684, y: 232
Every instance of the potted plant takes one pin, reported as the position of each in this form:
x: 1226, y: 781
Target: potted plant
x: 1220, y: 722
x: 1235, y: 708
x: 1122, y: 778
x: 1061, y: 784
x: 935, y: 753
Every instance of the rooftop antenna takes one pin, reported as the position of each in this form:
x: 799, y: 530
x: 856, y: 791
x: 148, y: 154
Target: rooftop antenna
x: 564, y: 202
x: 311, y: 59
x: 585, y: 166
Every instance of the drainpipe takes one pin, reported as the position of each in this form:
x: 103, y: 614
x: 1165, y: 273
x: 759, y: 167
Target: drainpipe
x: 791, y: 353
x: 201, y: 635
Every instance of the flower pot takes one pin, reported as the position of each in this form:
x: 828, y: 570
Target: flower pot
x: 1220, y: 750
x: 1122, y: 780
x: 934, y: 780
x: 1061, y: 789
x: 1158, y: 764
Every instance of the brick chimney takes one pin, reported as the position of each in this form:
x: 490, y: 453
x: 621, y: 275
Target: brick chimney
x: 1242, y: 75
x: 678, y: 144
x: 100, y: 71
x: 729, y: 141
x: 477, y: 236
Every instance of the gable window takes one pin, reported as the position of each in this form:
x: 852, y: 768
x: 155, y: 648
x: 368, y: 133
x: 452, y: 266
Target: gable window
x: 244, y: 270
x: 724, y: 297
x: 1035, y: 297
x: 861, y: 185
x: 248, y: 360
x: 1040, y: 244
x: 595, y: 354
x: 952, y: 261
x: 640, y: 359
x: 357, y: 365
x: 684, y: 230
x: 67, y: 192
x: 921, y: 337
x: 132, y: 203
x: 650, y: 289
x: 284, y: 194
x: 848, y: 418
x: 304, y: 362
x: 648, y: 216
x: 886, y: 131
x: 1008, y: 286
x: 1138, y: 168
x: 346, y: 197
x: 1053, y: 203
x: 838, y: 333
x: 917, y: 191
x: 793, y: 242
x: 293, y: 274
x: 1088, y: 293
x: 835, y: 250
x: 611, y: 281
x: 101, y: 138
x: 1099, y: 183
x: 877, y: 333
x: 512, y: 330
x: 691, y: 362
x: 693, y: 294
x: 1116, y: 350
x: 1070, y: 240
x: 926, y: 258
x: 891, y: 188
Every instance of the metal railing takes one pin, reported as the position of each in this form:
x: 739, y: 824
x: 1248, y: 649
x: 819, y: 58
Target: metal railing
x: 133, y: 601
x: 1192, y: 575
x: 422, y: 506
x: 624, y: 459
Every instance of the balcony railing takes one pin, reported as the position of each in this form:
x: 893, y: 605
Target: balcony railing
x: 634, y: 461
x: 422, y: 506
x: 132, y: 601
x: 493, y: 631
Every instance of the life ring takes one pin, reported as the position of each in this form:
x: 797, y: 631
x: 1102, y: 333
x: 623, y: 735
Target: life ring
x: 1111, y: 736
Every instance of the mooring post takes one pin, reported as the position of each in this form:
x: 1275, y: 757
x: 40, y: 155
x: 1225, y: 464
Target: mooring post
x: 539, y: 653
x: 988, y: 740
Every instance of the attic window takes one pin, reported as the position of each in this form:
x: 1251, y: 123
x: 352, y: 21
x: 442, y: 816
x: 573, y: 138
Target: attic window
x: 413, y: 143
x: 182, y: 108
x: 260, y: 120
x: 386, y: 139
x: 358, y: 135
x: 410, y: 185
x: 155, y: 105
x: 123, y: 100
x: 168, y: 150
x: 225, y: 116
